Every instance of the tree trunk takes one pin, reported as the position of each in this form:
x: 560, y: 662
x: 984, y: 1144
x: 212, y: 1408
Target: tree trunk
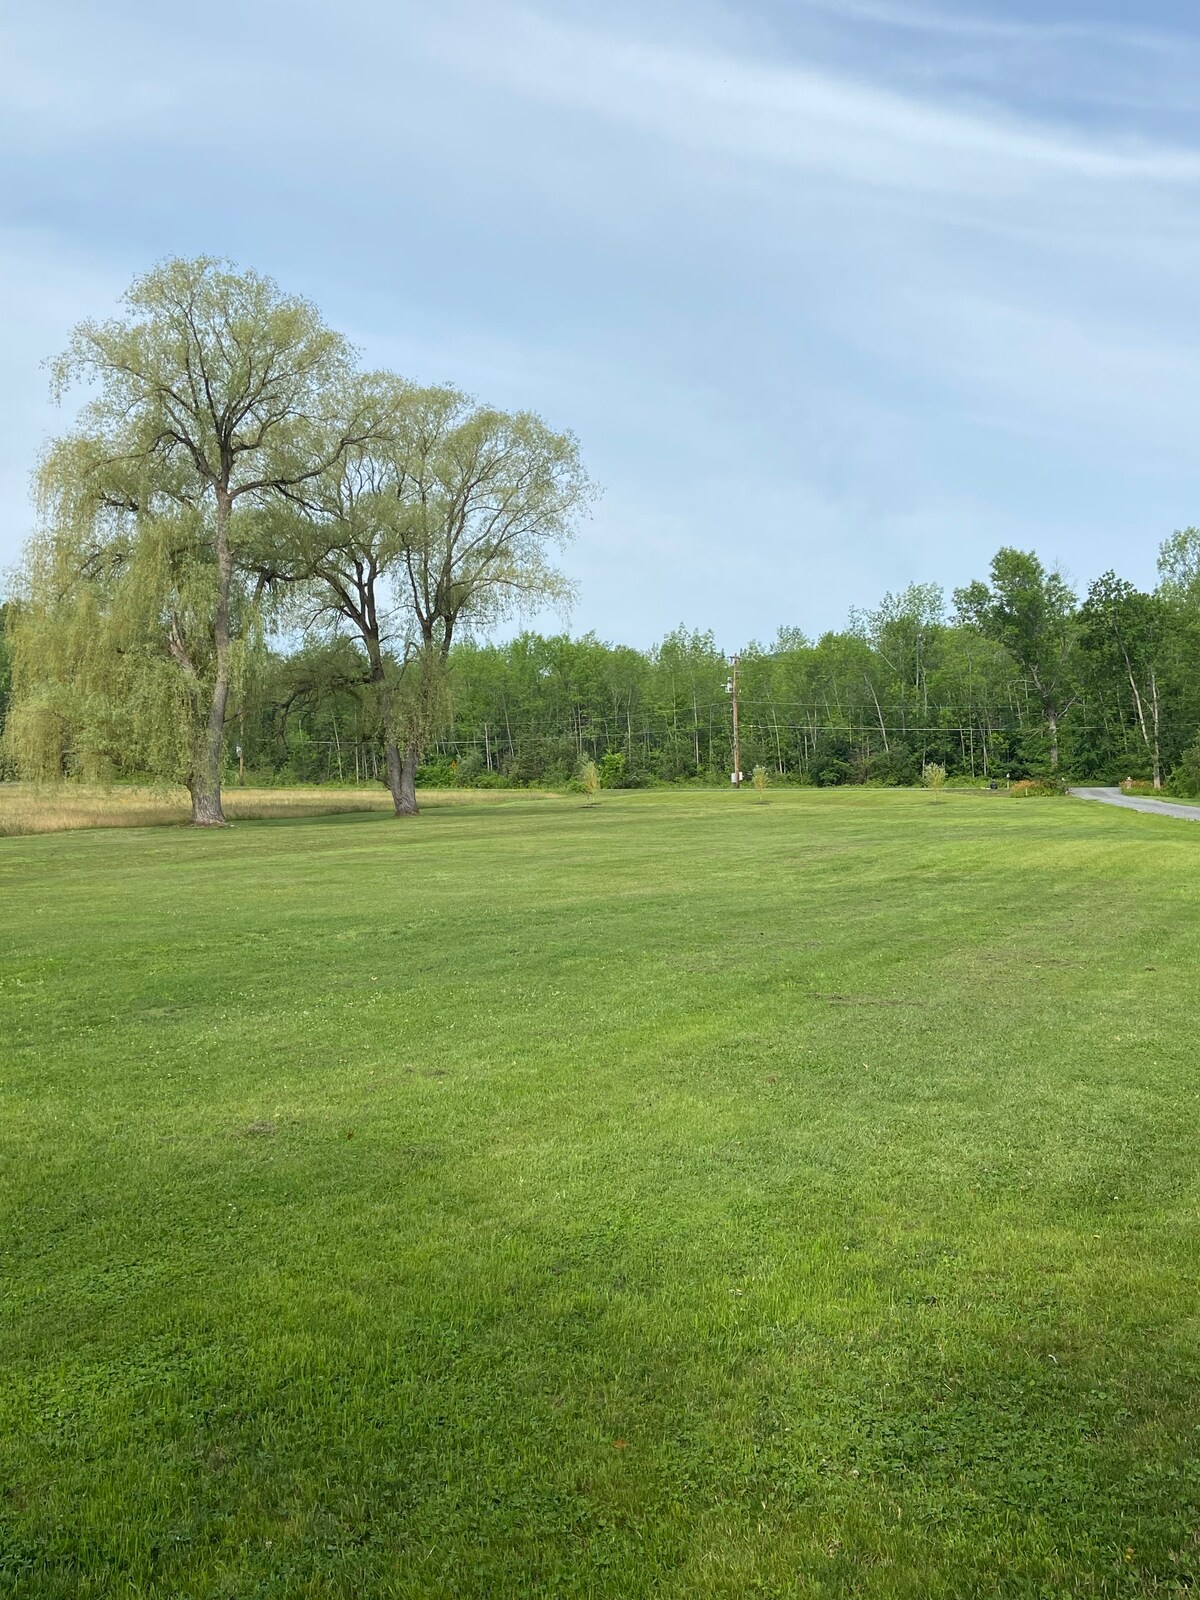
x: 1140, y: 710
x: 878, y: 713
x: 407, y: 804
x: 206, y: 802
x: 1052, y: 722
x: 395, y: 776
x: 204, y: 784
x: 403, y: 804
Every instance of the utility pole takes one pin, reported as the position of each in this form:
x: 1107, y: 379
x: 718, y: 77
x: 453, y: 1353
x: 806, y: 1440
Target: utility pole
x: 737, y: 748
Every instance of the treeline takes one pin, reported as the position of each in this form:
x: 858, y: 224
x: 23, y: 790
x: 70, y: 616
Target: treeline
x: 1014, y: 675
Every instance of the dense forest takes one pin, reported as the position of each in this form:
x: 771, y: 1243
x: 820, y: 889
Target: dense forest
x: 985, y: 685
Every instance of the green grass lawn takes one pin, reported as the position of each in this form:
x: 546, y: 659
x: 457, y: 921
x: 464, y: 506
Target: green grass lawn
x: 682, y: 1197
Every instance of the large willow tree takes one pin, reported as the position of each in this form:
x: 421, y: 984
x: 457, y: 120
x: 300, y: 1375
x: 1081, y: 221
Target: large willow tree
x: 447, y: 516
x: 213, y: 395
x: 489, y: 497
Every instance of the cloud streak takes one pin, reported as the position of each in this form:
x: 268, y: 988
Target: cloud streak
x: 812, y: 121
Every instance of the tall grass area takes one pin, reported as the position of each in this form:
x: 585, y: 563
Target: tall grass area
x: 56, y: 807
x: 679, y: 1196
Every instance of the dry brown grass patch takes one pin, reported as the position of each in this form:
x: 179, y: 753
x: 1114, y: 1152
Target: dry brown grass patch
x: 54, y: 807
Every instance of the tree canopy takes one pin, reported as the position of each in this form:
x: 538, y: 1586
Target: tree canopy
x: 446, y: 515
x: 210, y: 392
x: 229, y: 451
x: 1030, y: 613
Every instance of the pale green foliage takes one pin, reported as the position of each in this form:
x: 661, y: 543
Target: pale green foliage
x: 418, y: 704
x: 1179, y: 565
x: 213, y: 372
x: 760, y: 783
x: 7, y: 618
x: 589, y: 779
x: 96, y: 685
x: 337, y: 531
x: 902, y: 624
x: 933, y: 776
x: 210, y: 395
x: 446, y: 514
x: 229, y: 447
x: 487, y: 495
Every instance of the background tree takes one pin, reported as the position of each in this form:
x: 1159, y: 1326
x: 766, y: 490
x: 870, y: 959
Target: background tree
x: 1179, y: 592
x: 489, y: 496
x: 342, y: 541
x: 904, y: 631
x: 317, y: 713
x: 210, y: 393
x: 1032, y: 613
x: 446, y: 517
x: 685, y: 686
x: 933, y: 775
x: 589, y: 779
x: 1125, y: 635
x: 1179, y: 566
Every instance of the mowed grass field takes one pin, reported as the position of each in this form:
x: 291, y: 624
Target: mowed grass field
x: 682, y: 1197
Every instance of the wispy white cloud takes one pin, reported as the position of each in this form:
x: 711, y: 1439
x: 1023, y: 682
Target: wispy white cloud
x: 810, y: 120
x: 1039, y: 31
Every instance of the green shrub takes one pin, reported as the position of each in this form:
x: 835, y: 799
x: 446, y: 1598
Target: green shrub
x: 832, y: 762
x: 1184, y: 781
x: 891, y: 767
x: 675, y: 766
x: 440, y: 773
x: 612, y: 770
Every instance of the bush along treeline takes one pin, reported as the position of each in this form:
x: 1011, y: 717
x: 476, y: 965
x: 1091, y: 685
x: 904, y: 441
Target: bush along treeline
x: 1015, y: 677
x: 236, y: 481
x: 235, y: 472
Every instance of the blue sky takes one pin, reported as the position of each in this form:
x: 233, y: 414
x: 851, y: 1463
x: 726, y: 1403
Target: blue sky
x: 837, y: 294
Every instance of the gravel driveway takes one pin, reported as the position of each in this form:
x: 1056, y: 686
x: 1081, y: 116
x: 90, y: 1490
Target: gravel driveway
x: 1137, y: 802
